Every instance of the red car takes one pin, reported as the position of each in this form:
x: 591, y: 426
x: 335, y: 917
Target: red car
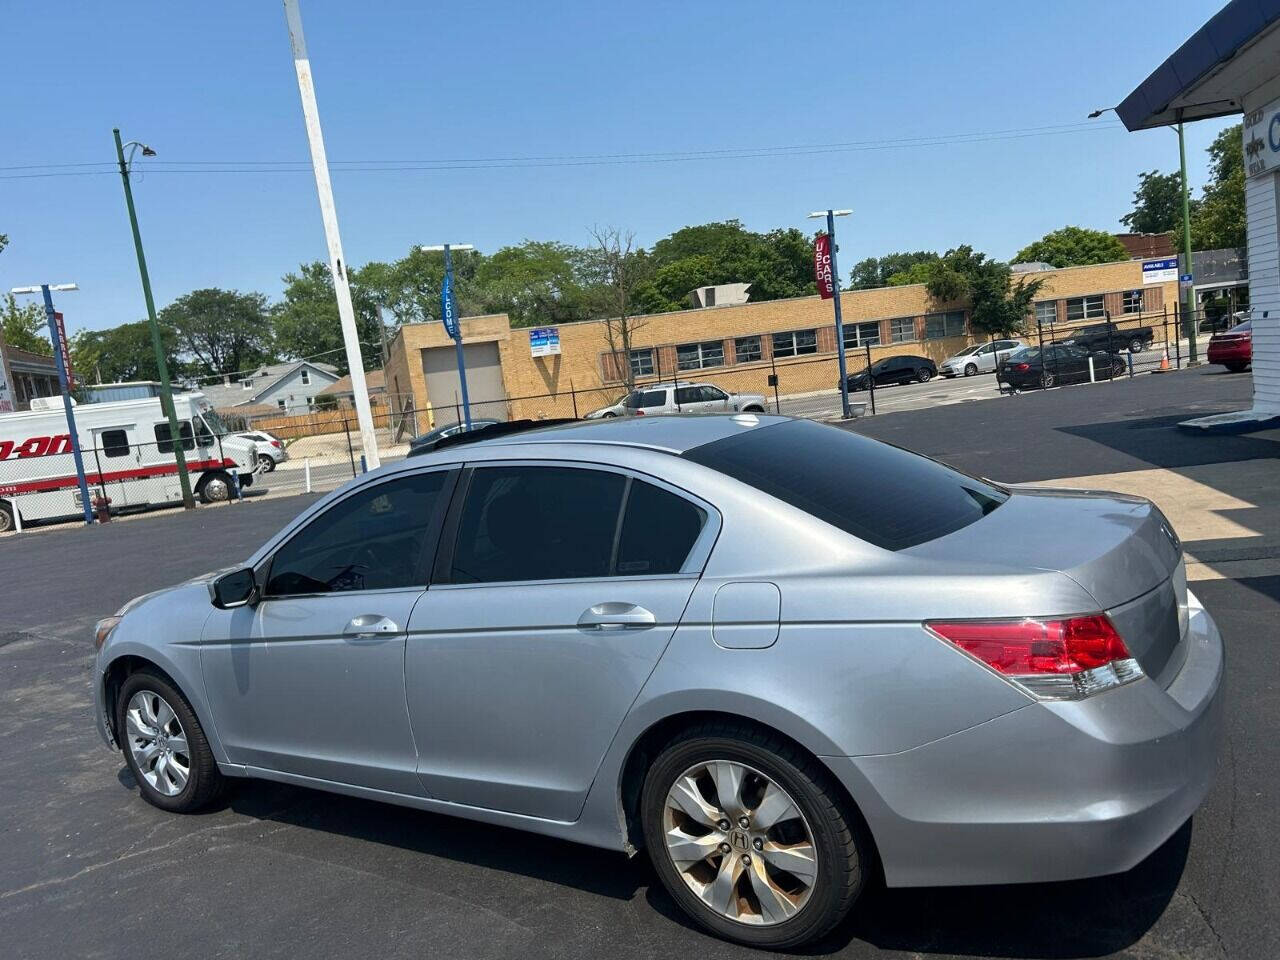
x: 1232, y: 348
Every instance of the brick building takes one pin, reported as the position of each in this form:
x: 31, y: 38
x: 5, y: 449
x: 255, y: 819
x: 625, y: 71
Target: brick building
x: 736, y: 347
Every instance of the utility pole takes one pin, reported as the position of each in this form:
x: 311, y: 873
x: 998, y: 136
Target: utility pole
x: 1188, y: 297
x: 329, y: 213
x: 835, y: 297
x: 59, y: 345
x: 449, y: 316
x: 157, y: 342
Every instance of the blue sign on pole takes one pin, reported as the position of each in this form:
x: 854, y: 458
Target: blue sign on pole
x: 449, y: 306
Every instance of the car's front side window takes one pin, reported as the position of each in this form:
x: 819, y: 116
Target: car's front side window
x: 523, y: 523
x: 372, y: 540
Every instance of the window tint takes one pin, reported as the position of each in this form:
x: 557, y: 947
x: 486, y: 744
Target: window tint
x: 115, y: 443
x: 164, y: 441
x: 645, y: 398
x: 204, y: 436
x: 688, y: 394
x: 537, y: 523
x: 658, y: 531
x: 713, y: 393
x: 879, y: 493
x: 372, y: 540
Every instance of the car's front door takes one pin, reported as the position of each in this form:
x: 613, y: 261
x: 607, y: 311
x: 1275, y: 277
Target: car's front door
x: 309, y: 680
x: 714, y: 399
x: 557, y: 588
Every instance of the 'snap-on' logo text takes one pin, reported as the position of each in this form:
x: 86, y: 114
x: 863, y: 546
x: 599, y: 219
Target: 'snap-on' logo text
x: 35, y: 447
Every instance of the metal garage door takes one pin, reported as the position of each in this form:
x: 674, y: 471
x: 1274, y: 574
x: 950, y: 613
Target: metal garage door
x: 484, y: 382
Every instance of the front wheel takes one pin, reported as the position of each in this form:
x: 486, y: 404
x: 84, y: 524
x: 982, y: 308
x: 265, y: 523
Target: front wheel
x: 970, y: 369
x: 215, y: 488
x: 164, y: 745
x: 608, y: 416
x: 924, y: 374
x: 1047, y: 380
x: 753, y: 409
x: 751, y: 837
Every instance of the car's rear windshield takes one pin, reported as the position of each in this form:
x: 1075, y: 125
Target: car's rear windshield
x: 880, y: 493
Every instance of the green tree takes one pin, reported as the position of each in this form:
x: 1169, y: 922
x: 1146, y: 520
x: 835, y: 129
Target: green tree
x: 221, y: 331
x: 305, y: 323
x: 25, y: 327
x: 1157, y: 204
x: 998, y: 306
x: 880, y: 271
x: 534, y: 283
x: 1073, y: 247
x: 123, y: 353
x: 1218, y: 221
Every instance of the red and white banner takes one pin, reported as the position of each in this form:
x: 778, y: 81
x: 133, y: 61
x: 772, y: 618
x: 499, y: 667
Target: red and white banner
x: 822, y: 266
x: 61, y: 347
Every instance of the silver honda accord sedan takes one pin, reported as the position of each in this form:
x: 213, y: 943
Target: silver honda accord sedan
x: 777, y: 655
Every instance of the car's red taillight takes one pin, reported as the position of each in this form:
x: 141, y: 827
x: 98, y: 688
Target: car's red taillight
x: 276, y: 444
x: 1023, y: 366
x: 1054, y: 659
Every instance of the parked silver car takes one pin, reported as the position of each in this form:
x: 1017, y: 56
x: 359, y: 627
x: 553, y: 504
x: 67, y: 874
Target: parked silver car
x: 685, y: 396
x: 614, y: 409
x: 268, y: 451
x: 772, y: 652
x: 979, y: 358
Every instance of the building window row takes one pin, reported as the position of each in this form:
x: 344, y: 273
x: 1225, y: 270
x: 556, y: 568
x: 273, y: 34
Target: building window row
x: 700, y: 356
x: 862, y: 334
x: 795, y: 343
x: 938, y: 326
x: 1093, y: 306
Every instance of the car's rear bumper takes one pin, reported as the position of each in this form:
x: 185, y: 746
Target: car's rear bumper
x: 1229, y: 353
x: 1051, y: 791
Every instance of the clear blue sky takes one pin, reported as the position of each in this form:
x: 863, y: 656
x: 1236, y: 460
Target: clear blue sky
x: 400, y: 80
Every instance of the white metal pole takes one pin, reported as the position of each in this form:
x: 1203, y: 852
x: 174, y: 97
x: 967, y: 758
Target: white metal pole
x: 329, y: 213
x: 306, y: 470
x: 17, y: 514
x: 1092, y: 378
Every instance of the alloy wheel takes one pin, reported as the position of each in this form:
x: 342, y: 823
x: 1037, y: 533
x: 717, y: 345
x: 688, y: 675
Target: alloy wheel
x: 740, y: 842
x: 157, y: 743
x: 266, y: 464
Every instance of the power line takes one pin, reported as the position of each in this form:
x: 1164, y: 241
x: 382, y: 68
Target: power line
x: 243, y: 166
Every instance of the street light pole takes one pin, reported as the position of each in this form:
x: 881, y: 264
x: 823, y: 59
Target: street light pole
x: 1188, y: 298
x: 452, y: 323
x: 157, y: 342
x: 59, y: 345
x: 835, y: 297
x: 338, y: 266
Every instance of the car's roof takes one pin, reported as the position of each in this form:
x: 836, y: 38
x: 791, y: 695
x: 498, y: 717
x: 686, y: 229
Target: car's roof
x: 671, y: 434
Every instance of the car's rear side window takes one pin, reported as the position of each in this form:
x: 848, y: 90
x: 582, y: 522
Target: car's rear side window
x: 882, y: 494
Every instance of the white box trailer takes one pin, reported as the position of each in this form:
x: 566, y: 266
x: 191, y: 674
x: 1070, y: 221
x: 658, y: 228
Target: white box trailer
x: 128, y: 457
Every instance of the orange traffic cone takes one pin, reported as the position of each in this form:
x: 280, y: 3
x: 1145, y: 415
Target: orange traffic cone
x: 1164, y: 361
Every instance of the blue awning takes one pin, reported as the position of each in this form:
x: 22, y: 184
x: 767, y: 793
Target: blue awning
x: 1178, y: 89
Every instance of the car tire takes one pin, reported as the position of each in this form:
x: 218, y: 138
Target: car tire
x: 7, y: 518
x: 970, y: 369
x: 798, y: 907
x: 215, y: 487
x: 150, y: 710
x: 754, y: 408
x: 1047, y: 380
x: 1136, y: 345
x: 1231, y: 368
x: 265, y: 463
x: 608, y: 416
x: 924, y: 374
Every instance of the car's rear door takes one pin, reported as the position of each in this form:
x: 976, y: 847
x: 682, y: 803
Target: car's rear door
x: 557, y: 587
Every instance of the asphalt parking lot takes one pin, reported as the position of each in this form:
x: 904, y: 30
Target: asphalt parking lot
x: 89, y: 869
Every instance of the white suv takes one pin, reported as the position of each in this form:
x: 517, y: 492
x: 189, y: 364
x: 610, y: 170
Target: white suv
x: 687, y: 397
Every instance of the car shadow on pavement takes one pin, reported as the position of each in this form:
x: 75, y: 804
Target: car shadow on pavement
x: 1057, y: 920
x: 466, y: 841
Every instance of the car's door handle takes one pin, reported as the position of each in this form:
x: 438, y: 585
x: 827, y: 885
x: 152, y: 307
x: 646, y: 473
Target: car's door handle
x: 370, y: 625
x: 616, y: 616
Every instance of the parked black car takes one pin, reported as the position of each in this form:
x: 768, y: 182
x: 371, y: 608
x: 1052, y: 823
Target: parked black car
x: 902, y: 369
x: 427, y: 441
x: 1109, y: 338
x: 1057, y: 364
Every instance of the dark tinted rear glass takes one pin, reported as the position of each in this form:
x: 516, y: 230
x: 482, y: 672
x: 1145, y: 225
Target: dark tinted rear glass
x: 645, y: 398
x: 658, y: 531
x: 877, y: 492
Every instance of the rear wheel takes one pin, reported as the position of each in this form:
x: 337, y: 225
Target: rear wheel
x: 266, y: 463
x: 1233, y: 367
x: 215, y: 487
x: 924, y: 374
x: 751, y: 836
x: 164, y: 745
x: 970, y: 369
x: 6, y: 517
x: 1136, y: 345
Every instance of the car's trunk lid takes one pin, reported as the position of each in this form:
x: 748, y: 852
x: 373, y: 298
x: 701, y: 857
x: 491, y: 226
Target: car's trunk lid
x: 1120, y: 549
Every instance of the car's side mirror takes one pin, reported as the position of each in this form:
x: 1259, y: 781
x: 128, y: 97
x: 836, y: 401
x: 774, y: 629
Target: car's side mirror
x: 235, y: 589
